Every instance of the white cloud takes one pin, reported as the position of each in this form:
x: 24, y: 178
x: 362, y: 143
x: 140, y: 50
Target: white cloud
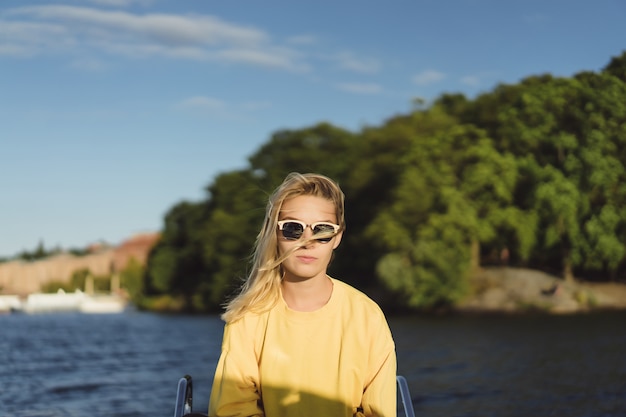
x: 471, y: 80
x: 168, y: 29
x: 28, y: 38
x: 147, y: 50
x: 205, y: 106
x: 348, y: 61
x: 276, y: 58
x: 475, y: 80
x: 15, y: 50
x: 200, y: 37
x: 361, y: 88
x: 118, y: 3
x: 428, y: 77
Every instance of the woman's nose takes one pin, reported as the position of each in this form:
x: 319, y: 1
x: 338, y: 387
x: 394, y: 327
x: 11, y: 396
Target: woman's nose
x: 308, y: 232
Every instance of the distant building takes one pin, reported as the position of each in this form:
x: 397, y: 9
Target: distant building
x: 22, y: 277
x: 137, y: 247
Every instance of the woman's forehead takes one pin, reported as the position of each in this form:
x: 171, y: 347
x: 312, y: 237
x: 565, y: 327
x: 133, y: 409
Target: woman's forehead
x: 308, y: 204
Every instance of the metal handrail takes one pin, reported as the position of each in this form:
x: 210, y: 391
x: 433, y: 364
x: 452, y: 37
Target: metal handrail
x: 184, y: 397
x: 405, y: 396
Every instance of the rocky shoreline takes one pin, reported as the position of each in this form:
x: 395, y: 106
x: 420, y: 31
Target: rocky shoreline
x: 518, y: 290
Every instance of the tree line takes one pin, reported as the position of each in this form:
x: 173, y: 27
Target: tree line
x: 531, y: 174
x: 41, y: 252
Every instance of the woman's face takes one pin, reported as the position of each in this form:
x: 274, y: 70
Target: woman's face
x: 310, y: 261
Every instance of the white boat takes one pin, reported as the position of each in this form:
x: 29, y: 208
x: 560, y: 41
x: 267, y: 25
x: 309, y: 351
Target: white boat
x: 100, y: 304
x: 53, y: 302
x: 9, y: 303
x: 76, y: 301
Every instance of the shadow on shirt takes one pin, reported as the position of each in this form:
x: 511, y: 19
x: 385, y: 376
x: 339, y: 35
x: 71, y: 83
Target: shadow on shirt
x: 284, y: 402
x: 288, y: 402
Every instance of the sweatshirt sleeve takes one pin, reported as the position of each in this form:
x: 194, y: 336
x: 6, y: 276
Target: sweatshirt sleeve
x: 235, y: 390
x: 380, y: 394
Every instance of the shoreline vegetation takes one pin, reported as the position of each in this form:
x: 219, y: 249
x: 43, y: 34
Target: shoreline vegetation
x: 495, y: 291
x: 492, y: 290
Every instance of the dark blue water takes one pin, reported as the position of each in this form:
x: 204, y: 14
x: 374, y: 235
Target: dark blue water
x: 515, y: 366
x: 129, y: 364
x: 103, y: 365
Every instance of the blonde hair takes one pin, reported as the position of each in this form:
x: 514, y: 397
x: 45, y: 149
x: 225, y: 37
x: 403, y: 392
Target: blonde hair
x: 261, y: 290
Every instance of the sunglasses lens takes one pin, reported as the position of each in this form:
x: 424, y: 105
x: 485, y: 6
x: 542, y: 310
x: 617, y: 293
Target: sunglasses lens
x: 292, y: 230
x: 324, y: 228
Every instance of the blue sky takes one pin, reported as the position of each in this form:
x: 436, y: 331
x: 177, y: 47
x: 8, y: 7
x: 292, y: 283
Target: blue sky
x: 112, y: 111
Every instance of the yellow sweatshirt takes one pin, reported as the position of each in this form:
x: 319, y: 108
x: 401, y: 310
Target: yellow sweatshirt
x: 337, y: 361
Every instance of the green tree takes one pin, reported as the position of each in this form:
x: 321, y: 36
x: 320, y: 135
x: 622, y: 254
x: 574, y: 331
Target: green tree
x: 132, y: 280
x: 454, y: 194
x: 323, y: 148
x: 374, y: 173
x: 568, y: 135
x: 617, y: 67
x: 236, y: 211
x: 40, y: 252
x: 175, y: 263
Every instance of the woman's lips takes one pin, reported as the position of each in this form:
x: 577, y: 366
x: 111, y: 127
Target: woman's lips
x: 306, y: 259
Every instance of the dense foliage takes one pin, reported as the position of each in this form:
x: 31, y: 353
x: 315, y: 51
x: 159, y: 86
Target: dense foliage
x: 531, y: 174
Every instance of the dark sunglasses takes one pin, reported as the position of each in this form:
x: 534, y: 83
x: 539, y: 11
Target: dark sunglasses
x: 293, y: 229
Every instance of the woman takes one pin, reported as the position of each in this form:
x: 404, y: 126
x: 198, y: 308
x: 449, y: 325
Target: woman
x: 296, y: 341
